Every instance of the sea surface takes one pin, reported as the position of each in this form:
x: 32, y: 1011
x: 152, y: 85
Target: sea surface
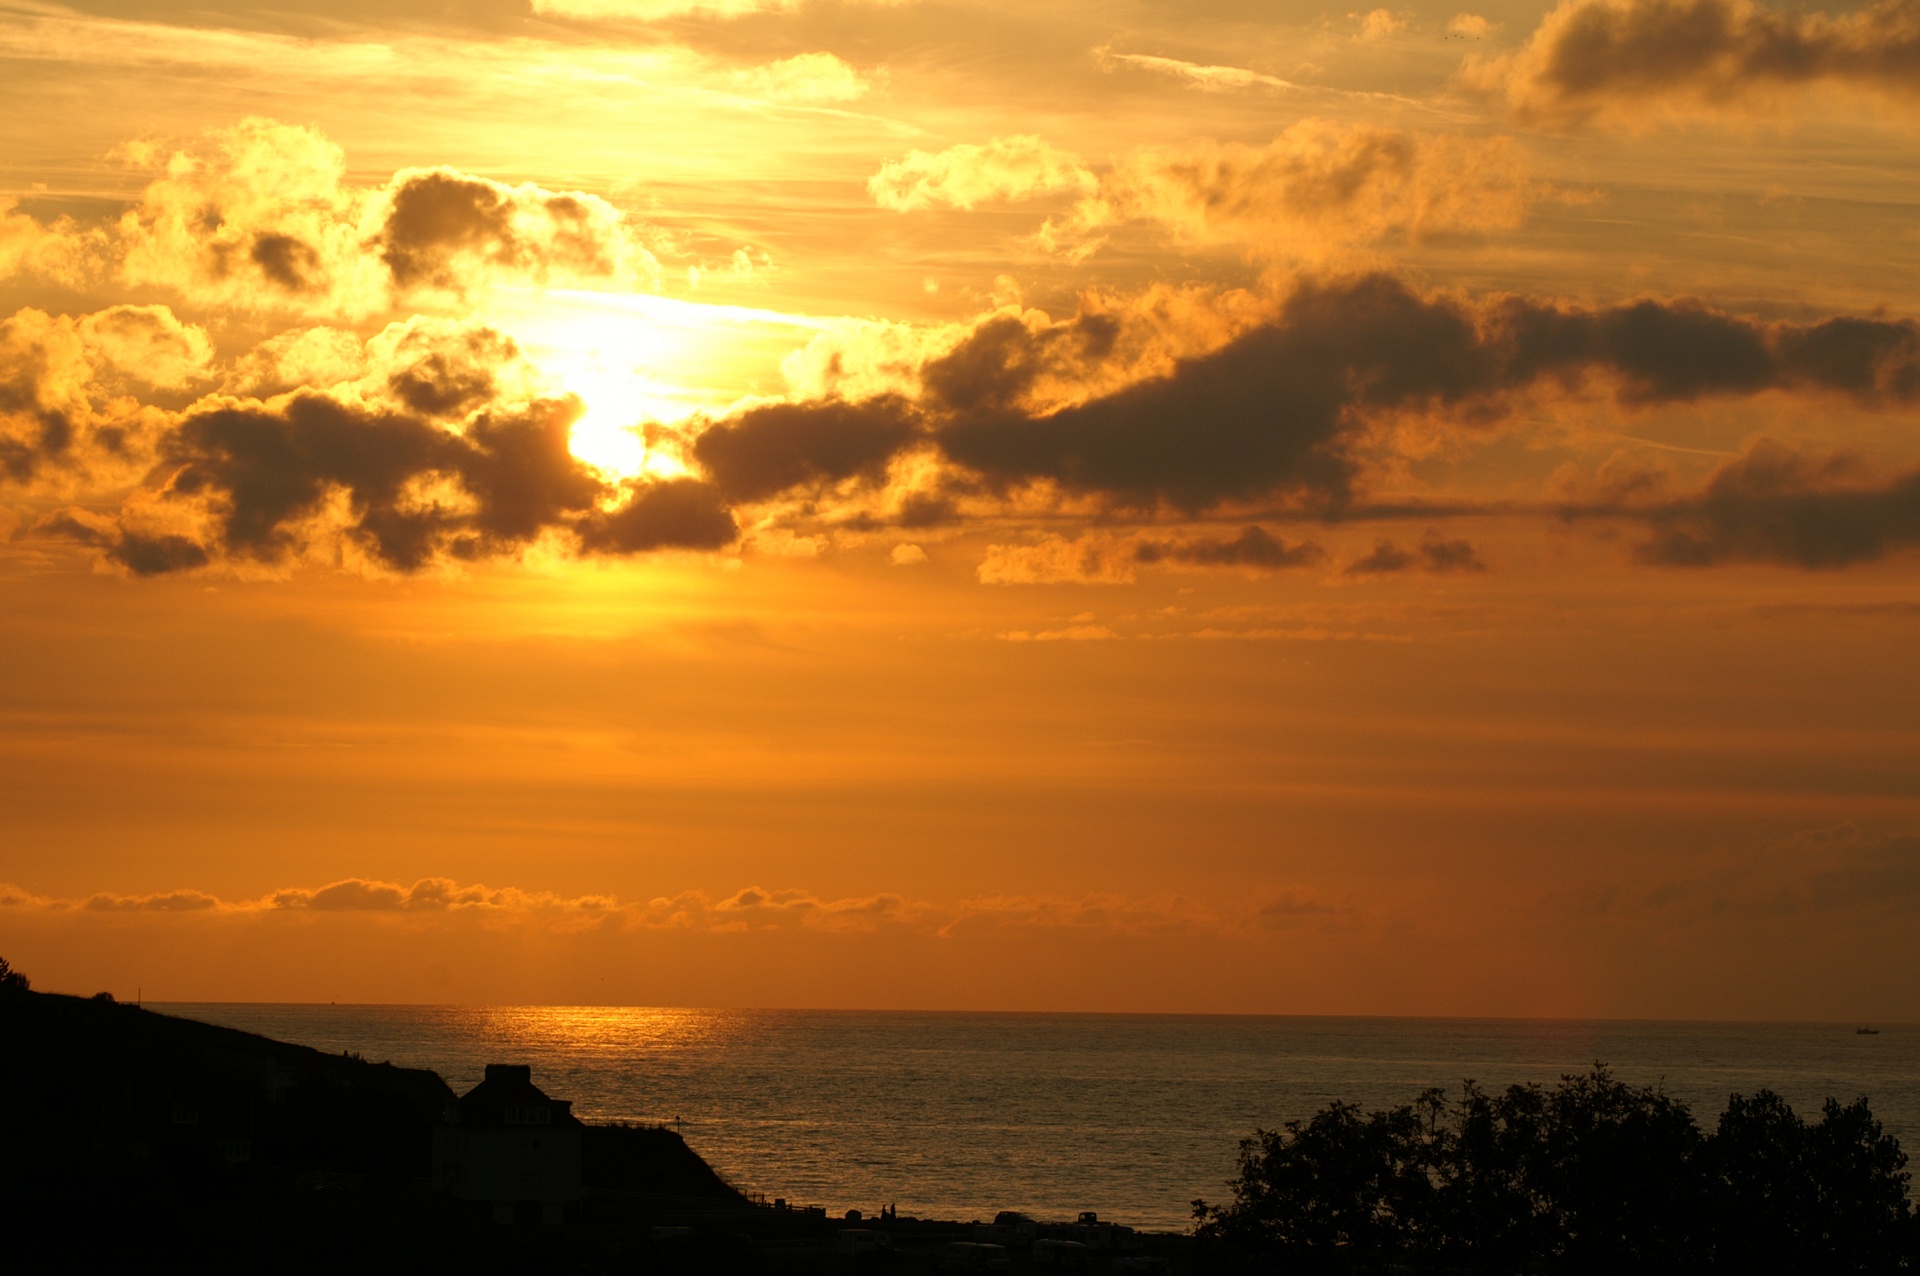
x: 1132, y: 1116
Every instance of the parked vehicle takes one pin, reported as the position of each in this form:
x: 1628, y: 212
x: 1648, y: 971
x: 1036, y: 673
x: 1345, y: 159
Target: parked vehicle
x: 1066, y: 1256
x: 861, y: 1240
x: 972, y: 1256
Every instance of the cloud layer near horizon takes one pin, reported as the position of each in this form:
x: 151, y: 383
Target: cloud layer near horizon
x: 751, y: 908
x: 1839, y: 869
x: 472, y: 942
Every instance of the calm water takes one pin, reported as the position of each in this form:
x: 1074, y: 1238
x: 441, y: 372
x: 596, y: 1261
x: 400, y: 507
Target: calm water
x: 959, y: 1115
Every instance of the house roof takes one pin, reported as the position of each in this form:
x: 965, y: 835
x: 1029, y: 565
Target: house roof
x: 508, y: 1098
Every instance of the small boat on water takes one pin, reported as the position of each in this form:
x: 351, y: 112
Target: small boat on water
x: 1866, y: 1032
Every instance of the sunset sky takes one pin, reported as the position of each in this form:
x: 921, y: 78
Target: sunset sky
x: 1223, y: 506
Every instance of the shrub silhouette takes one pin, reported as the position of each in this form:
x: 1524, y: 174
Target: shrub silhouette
x: 1593, y: 1176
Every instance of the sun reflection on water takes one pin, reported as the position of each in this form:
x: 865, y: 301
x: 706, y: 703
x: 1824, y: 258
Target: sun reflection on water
x: 604, y: 1030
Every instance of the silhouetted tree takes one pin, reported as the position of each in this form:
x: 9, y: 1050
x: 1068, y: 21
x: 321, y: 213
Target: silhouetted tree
x: 1493, y: 1215
x: 11, y: 980
x: 1623, y: 1177
x: 1862, y: 1216
x: 1763, y: 1196
x: 1342, y: 1188
x: 1593, y: 1176
x: 1789, y: 1197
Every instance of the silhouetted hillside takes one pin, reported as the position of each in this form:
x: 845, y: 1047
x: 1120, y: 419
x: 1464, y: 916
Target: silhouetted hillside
x: 125, y: 1089
x: 132, y: 1137
x: 653, y: 1161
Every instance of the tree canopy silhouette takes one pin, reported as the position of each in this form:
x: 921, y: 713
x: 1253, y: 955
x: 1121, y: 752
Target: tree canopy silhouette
x: 1592, y: 1176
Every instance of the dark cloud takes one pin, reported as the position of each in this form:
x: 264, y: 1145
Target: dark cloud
x: 521, y: 472
x: 405, y: 489
x: 1434, y: 553
x: 1253, y: 547
x: 674, y: 514
x: 1624, y: 56
x: 263, y: 470
x: 47, y: 436
x: 1870, y: 359
x: 440, y: 221
x: 142, y: 553
x: 1386, y: 557
x: 455, y: 376
x: 1438, y: 554
x: 31, y: 433
x: 928, y: 509
x: 1285, y: 413
x: 437, y: 215
x: 1662, y: 351
x: 769, y: 450
x: 291, y: 263
x: 1259, y: 417
x: 1276, y: 411
x: 1677, y: 351
x: 156, y: 555
x: 1778, y: 505
x: 1000, y: 361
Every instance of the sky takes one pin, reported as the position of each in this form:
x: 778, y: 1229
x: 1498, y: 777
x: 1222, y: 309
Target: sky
x: 959, y: 504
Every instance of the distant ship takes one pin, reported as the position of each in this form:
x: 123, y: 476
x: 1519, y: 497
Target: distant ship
x: 1866, y: 1032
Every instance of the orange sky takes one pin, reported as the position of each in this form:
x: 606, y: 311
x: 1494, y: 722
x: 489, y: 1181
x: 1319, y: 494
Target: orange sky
x: 1217, y: 507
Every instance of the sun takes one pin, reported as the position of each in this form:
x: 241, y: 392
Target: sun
x: 637, y: 360
x: 610, y: 434
x: 607, y: 434
x: 618, y: 404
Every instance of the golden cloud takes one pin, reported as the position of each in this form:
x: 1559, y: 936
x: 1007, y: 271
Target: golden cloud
x: 805, y: 77
x: 260, y: 217
x: 1005, y: 169
x: 1319, y: 188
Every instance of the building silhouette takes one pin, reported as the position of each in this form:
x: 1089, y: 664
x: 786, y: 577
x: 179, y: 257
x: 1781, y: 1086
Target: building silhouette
x: 512, y: 1147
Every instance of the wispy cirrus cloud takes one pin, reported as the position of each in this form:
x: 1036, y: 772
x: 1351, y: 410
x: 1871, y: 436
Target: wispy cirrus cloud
x: 1203, y: 76
x: 662, y: 10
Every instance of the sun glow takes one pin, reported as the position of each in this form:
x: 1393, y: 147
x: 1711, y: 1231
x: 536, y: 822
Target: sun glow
x: 644, y: 364
x: 621, y: 405
x: 610, y: 432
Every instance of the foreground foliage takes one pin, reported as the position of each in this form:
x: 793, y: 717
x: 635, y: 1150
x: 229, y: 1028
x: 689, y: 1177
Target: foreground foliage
x: 1592, y: 1176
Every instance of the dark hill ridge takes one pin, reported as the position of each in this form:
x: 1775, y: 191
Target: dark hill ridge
x: 120, y: 1085
x: 123, y: 1087
x: 652, y: 1161
x: 132, y: 1135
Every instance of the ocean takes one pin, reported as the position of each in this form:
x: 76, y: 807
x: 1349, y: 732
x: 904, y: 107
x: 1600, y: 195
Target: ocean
x: 1131, y: 1116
